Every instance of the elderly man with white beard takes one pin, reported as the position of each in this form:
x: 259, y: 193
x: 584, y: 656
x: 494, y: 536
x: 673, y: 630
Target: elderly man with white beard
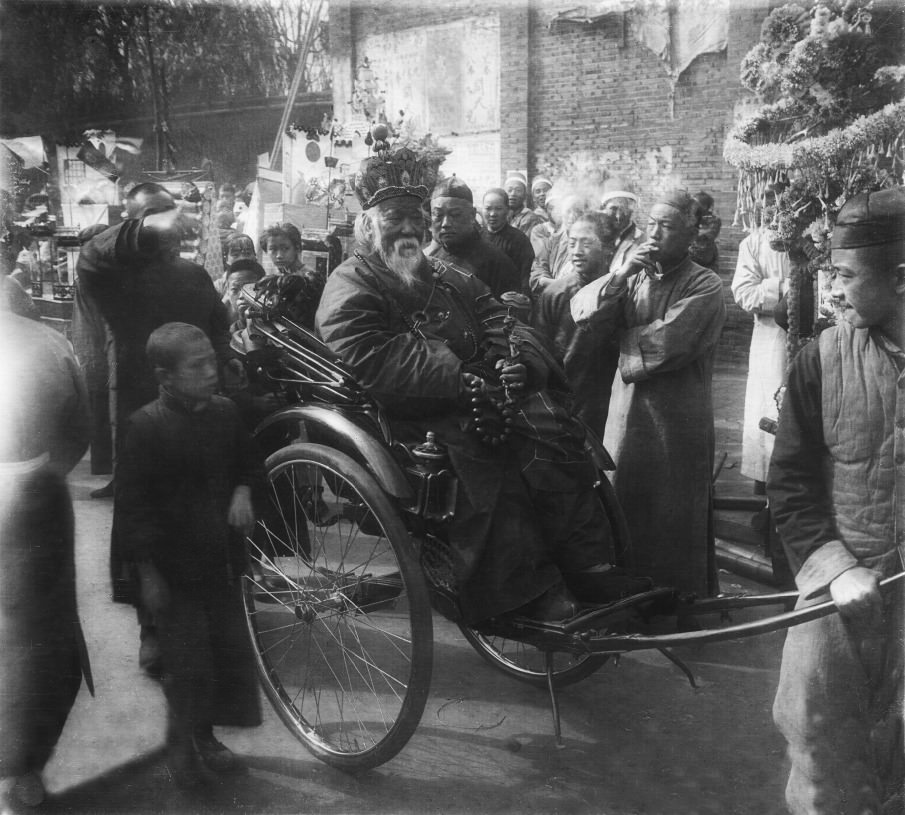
x: 529, y: 534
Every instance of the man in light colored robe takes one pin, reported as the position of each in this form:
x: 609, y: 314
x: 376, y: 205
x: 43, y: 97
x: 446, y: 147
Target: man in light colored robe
x: 761, y: 275
x: 666, y: 313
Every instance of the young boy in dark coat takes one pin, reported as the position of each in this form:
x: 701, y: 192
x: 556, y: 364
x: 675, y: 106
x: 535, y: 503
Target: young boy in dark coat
x: 184, y: 501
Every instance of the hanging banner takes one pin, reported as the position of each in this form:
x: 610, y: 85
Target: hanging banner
x: 29, y: 149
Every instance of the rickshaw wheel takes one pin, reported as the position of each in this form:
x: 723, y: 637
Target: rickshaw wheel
x: 338, y: 609
x: 526, y: 662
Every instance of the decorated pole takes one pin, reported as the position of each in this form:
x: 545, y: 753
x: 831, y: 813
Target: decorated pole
x: 831, y: 125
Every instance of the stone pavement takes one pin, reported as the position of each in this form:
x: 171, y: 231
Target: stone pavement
x: 729, y: 410
x: 637, y: 739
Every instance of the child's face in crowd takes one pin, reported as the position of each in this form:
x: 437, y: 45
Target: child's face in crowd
x: 234, y: 288
x: 865, y: 285
x: 282, y: 251
x: 195, y: 377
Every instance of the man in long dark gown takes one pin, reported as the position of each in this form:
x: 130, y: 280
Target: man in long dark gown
x: 134, y: 273
x: 529, y: 532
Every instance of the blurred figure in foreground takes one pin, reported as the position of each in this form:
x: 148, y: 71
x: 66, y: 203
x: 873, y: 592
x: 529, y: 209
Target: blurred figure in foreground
x: 44, y: 431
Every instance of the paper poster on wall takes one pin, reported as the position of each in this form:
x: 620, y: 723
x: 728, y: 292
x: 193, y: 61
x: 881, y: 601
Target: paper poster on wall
x: 444, y: 76
x: 474, y: 159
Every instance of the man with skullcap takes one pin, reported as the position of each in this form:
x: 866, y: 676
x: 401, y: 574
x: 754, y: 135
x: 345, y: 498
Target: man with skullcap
x: 836, y: 484
x: 617, y: 205
x: 539, y: 189
x: 516, y: 186
x: 457, y: 239
x: 428, y: 342
x: 666, y: 314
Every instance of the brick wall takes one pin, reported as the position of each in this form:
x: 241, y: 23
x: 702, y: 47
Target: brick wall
x: 591, y: 101
x: 600, y: 105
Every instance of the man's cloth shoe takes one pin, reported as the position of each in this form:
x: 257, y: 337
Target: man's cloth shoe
x: 555, y: 604
x: 149, y: 659
x: 215, y: 755
x: 21, y: 794
x: 103, y: 492
x: 186, y: 768
x: 605, y: 584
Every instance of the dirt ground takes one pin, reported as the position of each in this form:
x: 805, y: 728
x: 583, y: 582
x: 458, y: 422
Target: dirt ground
x: 637, y: 738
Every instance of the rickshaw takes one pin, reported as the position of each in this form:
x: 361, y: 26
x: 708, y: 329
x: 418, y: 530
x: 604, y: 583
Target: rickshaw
x: 348, y: 563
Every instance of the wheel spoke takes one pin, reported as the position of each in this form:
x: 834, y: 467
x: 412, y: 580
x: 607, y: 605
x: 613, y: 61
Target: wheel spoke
x: 342, y: 669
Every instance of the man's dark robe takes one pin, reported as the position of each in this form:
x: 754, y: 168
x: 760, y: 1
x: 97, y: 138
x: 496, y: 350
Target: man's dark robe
x: 521, y: 515
x: 93, y: 346
x: 138, y: 286
x: 590, y: 364
x: 485, y: 261
x: 174, y: 483
x: 516, y: 245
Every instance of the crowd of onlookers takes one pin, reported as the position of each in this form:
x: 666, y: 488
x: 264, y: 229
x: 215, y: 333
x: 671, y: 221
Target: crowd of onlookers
x: 628, y: 319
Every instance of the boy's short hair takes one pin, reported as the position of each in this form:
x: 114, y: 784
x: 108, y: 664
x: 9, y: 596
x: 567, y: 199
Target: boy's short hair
x: 286, y: 230
x: 239, y: 240
x: 596, y: 222
x: 166, y: 345
x: 246, y: 265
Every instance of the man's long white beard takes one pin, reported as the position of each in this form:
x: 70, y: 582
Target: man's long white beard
x: 403, y: 258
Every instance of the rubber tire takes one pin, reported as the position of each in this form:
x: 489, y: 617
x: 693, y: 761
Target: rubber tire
x: 586, y: 665
x: 421, y: 625
x: 562, y: 677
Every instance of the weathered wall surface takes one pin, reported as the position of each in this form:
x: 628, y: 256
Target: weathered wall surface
x: 591, y: 102
x: 599, y: 105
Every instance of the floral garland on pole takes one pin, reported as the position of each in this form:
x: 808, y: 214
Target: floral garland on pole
x: 831, y: 125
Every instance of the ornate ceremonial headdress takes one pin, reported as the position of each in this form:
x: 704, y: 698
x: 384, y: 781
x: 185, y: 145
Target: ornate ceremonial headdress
x: 396, y: 171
